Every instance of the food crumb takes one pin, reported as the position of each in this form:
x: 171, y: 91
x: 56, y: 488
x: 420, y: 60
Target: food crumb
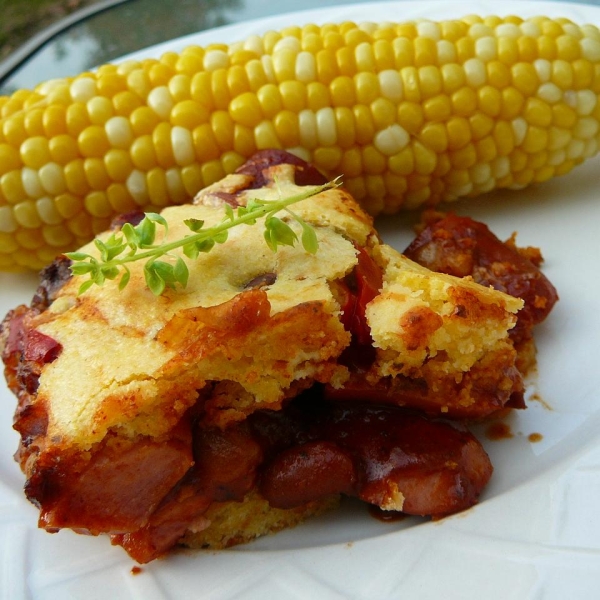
x: 498, y: 431
x: 535, y: 437
x: 135, y: 570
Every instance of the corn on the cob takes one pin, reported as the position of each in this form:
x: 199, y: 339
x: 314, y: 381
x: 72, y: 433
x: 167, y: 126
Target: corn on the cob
x: 410, y: 114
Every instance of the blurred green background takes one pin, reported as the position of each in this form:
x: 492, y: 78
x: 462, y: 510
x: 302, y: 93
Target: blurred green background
x: 23, y: 18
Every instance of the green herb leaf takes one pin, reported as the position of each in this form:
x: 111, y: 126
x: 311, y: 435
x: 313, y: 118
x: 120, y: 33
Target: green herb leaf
x: 165, y: 271
x: 153, y: 280
x: 221, y: 237
x: 181, y: 272
x: 156, y: 218
x: 124, y: 279
x: 81, y: 268
x: 110, y: 272
x: 229, y: 214
x: 146, y: 231
x: 194, y: 224
x: 85, y: 286
x: 131, y: 235
x: 191, y: 250
x: 281, y: 232
x: 309, y: 239
x: 102, y: 248
x: 77, y: 256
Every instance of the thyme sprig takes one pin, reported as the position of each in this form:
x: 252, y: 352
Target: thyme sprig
x: 135, y: 243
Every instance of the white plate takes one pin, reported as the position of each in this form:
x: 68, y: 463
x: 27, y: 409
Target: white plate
x: 535, y: 534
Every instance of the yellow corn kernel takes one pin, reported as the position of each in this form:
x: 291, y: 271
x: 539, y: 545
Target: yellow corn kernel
x: 437, y: 109
x: 11, y: 187
x: 286, y: 129
x: 205, y: 144
x: 93, y: 141
x: 230, y: 161
x: 10, y: 158
x: 317, y: 96
x: 459, y: 133
x: 109, y: 83
x: 142, y: 153
x: 55, y: 120
x: 265, y: 136
x: 343, y: 91
x: 464, y: 102
x: 100, y: 109
x: 162, y: 142
x: 434, y: 136
x: 95, y: 173
x: 143, y: 120
x: 222, y: 127
x: 212, y: 172
x: 179, y: 87
x: 118, y: 164
x: 13, y: 130
x: 269, y: 100
x: 512, y: 103
x: 34, y: 124
x: 293, y: 95
x: 157, y: 187
x: 243, y: 137
x: 410, y: 117
x: 119, y: 198
x: 489, y: 100
x: 96, y: 204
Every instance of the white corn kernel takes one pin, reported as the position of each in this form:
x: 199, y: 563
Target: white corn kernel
x: 7, y: 220
x: 326, y: 127
x: 161, y: 101
x: 550, y: 93
x: 289, y: 43
x: 509, y: 30
x: 390, y: 84
x: 119, y: 132
x: 530, y: 29
x: 31, y: 183
x: 52, y: 178
x: 486, y: 49
x: 543, y: 68
x: 307, y: 124
x: 429, y: 29
x: 519, y: 127
x: 46, y: 209
x: 590, y: 49
x: 216, y: 59
x: 183, y: 146
x: 391, y: 140
x: 136, y: 186
x: 586, y: 102
x: 475, y: 72
x: 306, y: 67
x: 83, y: 89
x: 446, y: 52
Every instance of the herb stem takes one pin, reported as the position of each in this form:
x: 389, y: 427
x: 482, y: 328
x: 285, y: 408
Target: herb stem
x: 137, y: 243
x: 264, y: 210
